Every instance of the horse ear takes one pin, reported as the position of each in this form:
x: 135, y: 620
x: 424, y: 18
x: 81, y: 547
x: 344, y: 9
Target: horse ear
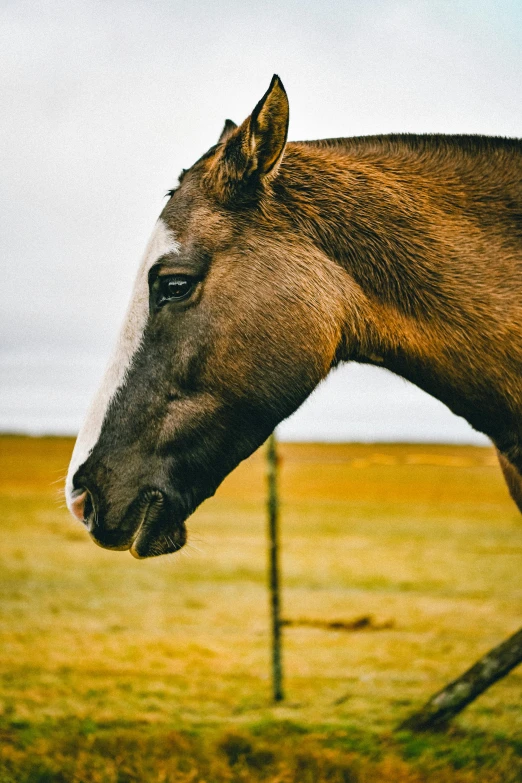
x: 253, y: 151
x: 228, y: 128
x: 268, y: 127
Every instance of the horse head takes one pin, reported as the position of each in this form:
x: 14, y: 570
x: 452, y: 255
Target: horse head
x: 235, y: 317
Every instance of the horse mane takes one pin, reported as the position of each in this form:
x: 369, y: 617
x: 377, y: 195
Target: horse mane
x: 422, y: 142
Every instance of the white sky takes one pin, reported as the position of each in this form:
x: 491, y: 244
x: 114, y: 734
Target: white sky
x: 104, y: 102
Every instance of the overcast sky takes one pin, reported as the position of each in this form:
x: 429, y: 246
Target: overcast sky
x: 104, y: 102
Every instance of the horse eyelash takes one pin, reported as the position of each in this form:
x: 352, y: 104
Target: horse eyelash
x: 171, y: 192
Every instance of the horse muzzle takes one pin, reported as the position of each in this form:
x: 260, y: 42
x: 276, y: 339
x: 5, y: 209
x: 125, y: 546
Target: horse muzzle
x: 151, y: 525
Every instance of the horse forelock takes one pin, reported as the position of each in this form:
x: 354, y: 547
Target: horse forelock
x: 161, y: 243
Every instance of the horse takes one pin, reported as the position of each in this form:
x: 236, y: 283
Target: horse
x: 271, y: 263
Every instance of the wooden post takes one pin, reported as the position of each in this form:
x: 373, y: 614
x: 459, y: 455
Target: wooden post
x: 273, y: 567
x: 448, y: 702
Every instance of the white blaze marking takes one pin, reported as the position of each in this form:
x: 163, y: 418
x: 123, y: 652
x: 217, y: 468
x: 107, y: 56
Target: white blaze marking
x: 161, y: 242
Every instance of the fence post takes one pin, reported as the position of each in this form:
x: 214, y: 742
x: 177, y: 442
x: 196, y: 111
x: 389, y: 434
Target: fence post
x: 441, y: 708
x: 273, y: 567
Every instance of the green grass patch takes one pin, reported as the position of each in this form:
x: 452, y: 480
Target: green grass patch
x: 272, y: 752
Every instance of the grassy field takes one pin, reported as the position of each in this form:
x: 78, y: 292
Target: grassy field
x: 115, y: 670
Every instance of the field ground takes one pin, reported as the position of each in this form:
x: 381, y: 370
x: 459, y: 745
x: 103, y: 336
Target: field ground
x: 115, y: 670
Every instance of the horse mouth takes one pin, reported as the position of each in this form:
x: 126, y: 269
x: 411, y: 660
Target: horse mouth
x: 148, y: 529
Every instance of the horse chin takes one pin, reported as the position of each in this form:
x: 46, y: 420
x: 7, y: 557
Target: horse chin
x: 151, y: 542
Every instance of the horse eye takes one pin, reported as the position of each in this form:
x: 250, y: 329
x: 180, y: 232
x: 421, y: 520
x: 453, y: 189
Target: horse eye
x: 173, y: 288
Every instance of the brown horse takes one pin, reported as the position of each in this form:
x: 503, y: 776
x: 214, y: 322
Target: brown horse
x: 271, y: 263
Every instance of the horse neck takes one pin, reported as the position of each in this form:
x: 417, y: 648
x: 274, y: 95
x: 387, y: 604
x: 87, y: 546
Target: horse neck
x: 431, y: 290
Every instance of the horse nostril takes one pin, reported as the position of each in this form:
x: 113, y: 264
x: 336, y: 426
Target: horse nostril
x: 81, y: 506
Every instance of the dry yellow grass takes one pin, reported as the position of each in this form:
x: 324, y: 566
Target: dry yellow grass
x: 423, y: 536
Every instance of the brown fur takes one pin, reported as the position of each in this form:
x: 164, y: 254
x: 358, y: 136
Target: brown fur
x: 405, y: 251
